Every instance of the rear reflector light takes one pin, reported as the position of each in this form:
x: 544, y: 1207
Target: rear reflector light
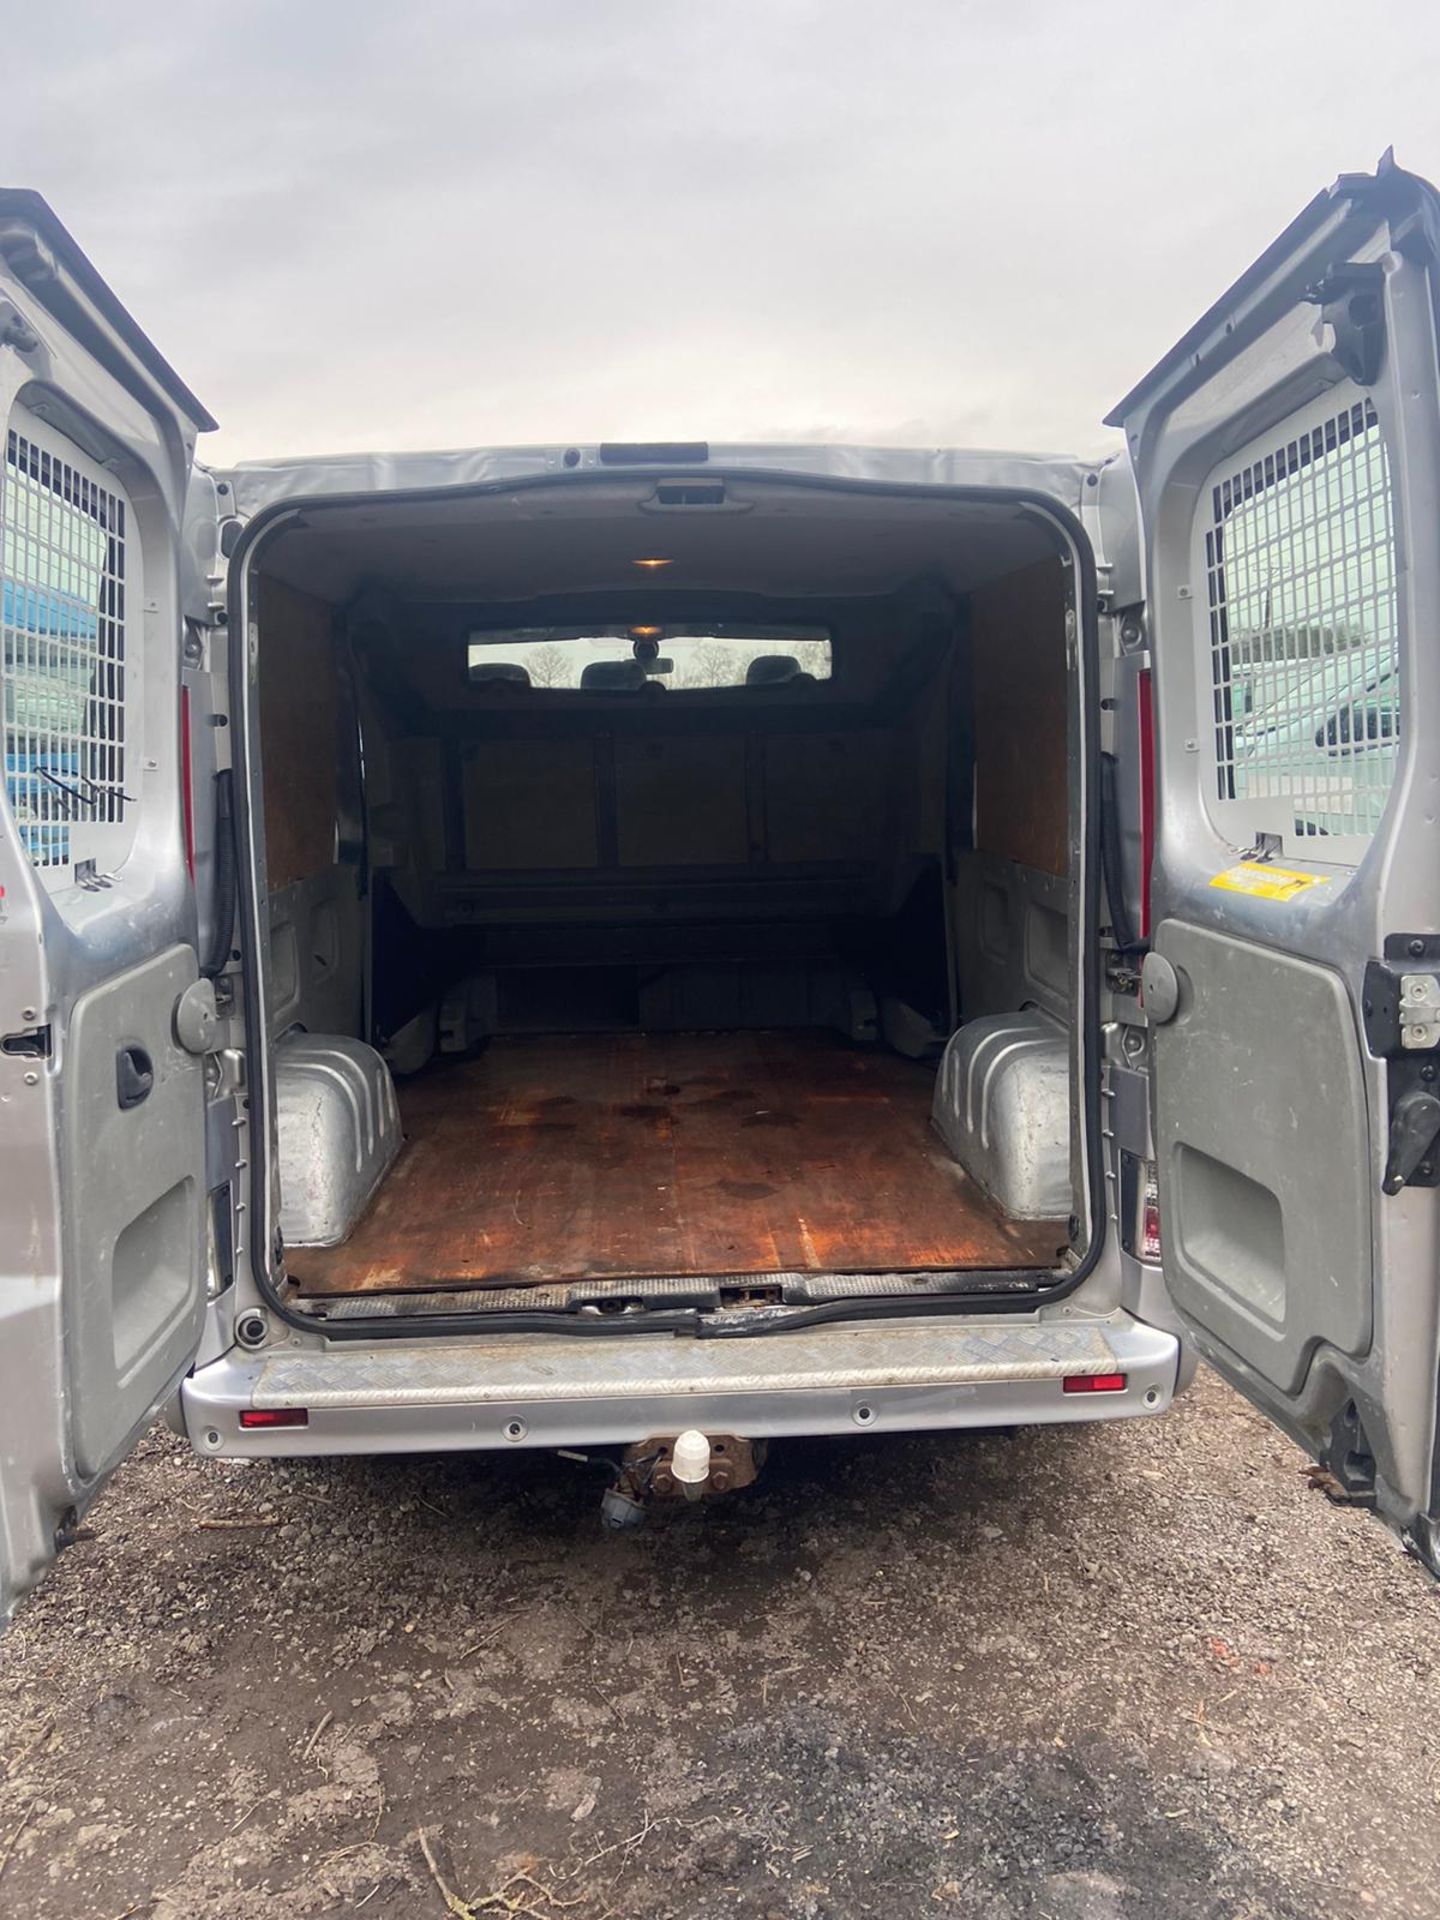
x: 252, y: 1417
x: 1094, y: 1382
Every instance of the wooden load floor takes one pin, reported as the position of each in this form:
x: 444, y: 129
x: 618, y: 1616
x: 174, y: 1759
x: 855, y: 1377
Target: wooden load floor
x: 579, y: 1157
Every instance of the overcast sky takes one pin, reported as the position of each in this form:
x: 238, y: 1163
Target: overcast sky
x: 433, y: 223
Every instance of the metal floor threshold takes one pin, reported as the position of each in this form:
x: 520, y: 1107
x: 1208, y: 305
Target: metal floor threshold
x: 707, y: 1294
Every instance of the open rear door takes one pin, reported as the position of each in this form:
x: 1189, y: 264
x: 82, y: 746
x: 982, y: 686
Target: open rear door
x: 1287, y: 453
x: 102, y: 1108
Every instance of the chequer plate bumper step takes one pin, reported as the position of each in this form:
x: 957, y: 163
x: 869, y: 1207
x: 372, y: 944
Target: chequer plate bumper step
x: 555, y: 1368
x: 549, y: 1390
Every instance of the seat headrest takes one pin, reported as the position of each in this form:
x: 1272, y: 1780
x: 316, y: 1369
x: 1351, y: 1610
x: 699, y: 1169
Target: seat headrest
x: 771, y: 670
x: 509, y: 671
x: 612, y: 676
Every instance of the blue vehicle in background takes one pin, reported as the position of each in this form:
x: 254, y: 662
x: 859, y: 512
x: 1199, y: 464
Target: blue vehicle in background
x: 50, y: 649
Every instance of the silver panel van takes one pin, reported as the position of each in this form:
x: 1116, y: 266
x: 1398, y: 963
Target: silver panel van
x: 645, y: 949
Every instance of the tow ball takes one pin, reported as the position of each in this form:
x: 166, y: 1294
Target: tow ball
x: 690, y: 1466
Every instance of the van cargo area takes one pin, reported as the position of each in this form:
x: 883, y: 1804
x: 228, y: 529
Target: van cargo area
x: 671, y: 893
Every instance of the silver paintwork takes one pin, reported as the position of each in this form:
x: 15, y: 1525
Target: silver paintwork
x: 553, y: 1390
x: 263, y: 483
x: 84, y: 379
x: 1360, y: 1321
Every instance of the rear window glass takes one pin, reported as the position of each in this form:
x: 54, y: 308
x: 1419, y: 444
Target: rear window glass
x: 62, y: 650
x: 626, y: 659
x: 1304, y: 629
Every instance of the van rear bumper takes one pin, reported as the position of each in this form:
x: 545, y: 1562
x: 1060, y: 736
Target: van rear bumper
x: 555, y: 1390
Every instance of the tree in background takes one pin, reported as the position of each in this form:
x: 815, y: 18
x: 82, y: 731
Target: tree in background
x: 813, y: 656
x: 711, y: 664
x: 547, y: 666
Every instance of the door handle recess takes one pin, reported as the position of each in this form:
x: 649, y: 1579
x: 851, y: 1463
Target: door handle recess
x: 134, y: 1077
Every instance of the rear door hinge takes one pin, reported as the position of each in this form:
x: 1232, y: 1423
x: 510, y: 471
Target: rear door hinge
x: 1347, y: 1461
x: 15, y: 330
x: 1351, y: 300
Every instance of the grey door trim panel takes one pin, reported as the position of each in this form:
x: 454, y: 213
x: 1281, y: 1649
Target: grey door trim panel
x: 134, y: 1181
x: 1263, y: 1155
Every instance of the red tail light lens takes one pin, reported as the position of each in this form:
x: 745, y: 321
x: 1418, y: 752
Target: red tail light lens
x: 253, y: 1417
x: 187, y: 788
x: 1146, y: 704
x: 1150, y: 1215
x: 1095, y: 1382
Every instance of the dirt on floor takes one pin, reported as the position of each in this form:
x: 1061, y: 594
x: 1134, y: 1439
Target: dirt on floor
x: 1094, y: 1673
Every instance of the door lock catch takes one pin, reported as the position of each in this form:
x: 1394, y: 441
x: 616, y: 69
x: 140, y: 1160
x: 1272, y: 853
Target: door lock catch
x: 1414, y: 1138
x: 1400, y: 1007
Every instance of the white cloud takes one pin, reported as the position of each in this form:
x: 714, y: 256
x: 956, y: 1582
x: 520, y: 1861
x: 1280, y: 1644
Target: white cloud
x: 358, y: 225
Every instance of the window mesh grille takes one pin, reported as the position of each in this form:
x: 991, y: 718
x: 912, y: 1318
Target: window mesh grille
x: 62, y: 614
x: 1303, y: 642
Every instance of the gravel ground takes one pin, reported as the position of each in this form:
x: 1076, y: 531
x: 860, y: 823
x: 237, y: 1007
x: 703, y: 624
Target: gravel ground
x: 1089, y: 1674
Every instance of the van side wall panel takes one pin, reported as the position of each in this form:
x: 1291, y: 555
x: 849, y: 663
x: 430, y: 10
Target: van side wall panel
x: 1010, y: 893
x: 306, y: 740
x: 1021, y: 699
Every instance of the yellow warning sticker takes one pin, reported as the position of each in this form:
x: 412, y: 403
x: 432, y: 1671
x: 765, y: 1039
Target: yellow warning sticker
x: 1263, y: 882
